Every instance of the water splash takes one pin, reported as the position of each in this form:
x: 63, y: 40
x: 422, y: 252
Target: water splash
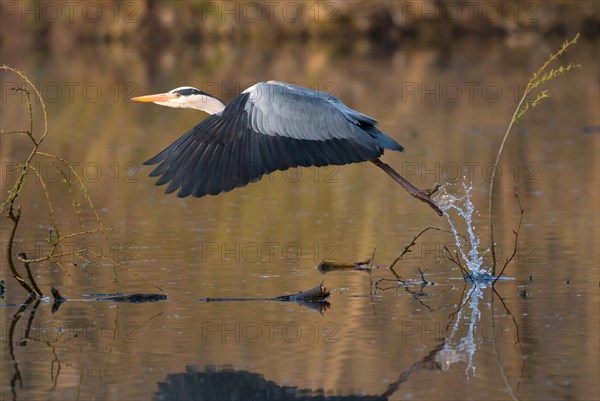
x: 461, y: 347
x: 459, y: 211
x: 468, y: 247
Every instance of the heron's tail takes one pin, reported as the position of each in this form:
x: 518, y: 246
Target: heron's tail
x: 383, y: 140
x: 388, y: 143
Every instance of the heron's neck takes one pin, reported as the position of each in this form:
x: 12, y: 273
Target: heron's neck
x: 208, y: 104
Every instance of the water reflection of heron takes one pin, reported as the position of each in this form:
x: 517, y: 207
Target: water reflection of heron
x: 270, y: 126
x: 227, y: 384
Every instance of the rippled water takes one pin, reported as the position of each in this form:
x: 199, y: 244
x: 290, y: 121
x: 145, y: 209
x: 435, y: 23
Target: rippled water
x: 434, y: 337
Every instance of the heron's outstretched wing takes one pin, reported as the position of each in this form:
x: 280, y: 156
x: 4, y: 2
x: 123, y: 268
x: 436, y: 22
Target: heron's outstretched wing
x: 270, y: 126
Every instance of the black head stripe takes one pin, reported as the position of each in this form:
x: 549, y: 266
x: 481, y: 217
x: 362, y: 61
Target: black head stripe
x: 189, y: 91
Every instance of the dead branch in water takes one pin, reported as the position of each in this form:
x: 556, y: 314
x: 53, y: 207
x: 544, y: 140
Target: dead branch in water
x: 317, y: 294
x: 136, y: 298
x: 30, y: 288
x: 29, y: 275
x: 326, y: 266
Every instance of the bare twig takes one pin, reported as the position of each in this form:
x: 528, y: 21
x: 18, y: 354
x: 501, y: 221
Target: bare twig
x: 456, y: 260
x: 409, y: 246
x: 372, y: 258
x: 418, y: 294
x: 371, y: 292
x: 15, y: 190
x: 498, y: 361
x: 395, y: 281
x: 50, y: 207
x: 516, y: 232
x: 56, y: 242
x: 460, y: 305
x: 517, y: 336
x: 117, y: 264
x: 79, y: 179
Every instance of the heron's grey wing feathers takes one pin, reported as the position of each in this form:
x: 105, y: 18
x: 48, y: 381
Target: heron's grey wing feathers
x: 283, y: 109
x: 297, y: 92
x: 292, y: 111
x: 253, y: 136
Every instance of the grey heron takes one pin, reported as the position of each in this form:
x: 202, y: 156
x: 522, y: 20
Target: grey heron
x: 270, y: 126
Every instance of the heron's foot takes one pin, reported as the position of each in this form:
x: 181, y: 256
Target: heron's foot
x: 425, y: 196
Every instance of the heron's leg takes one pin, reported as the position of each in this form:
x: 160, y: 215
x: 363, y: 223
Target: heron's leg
x: 422, y: 194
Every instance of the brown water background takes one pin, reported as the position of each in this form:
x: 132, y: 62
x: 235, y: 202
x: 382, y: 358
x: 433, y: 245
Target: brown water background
x: 448, y: 100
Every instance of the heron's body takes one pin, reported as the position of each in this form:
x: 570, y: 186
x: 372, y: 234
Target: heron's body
x: 270, y: 126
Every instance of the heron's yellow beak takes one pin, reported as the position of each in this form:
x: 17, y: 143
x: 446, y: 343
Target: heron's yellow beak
x: 160, y: 97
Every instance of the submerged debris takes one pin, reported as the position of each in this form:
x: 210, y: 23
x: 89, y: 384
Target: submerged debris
x: 325, y: 266
x: 133, y: 298
x: 317, y: 294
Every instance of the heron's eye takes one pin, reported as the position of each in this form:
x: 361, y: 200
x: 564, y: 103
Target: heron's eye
x: 178, y: 95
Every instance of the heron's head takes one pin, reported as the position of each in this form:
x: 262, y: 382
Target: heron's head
x: 185, y: 97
